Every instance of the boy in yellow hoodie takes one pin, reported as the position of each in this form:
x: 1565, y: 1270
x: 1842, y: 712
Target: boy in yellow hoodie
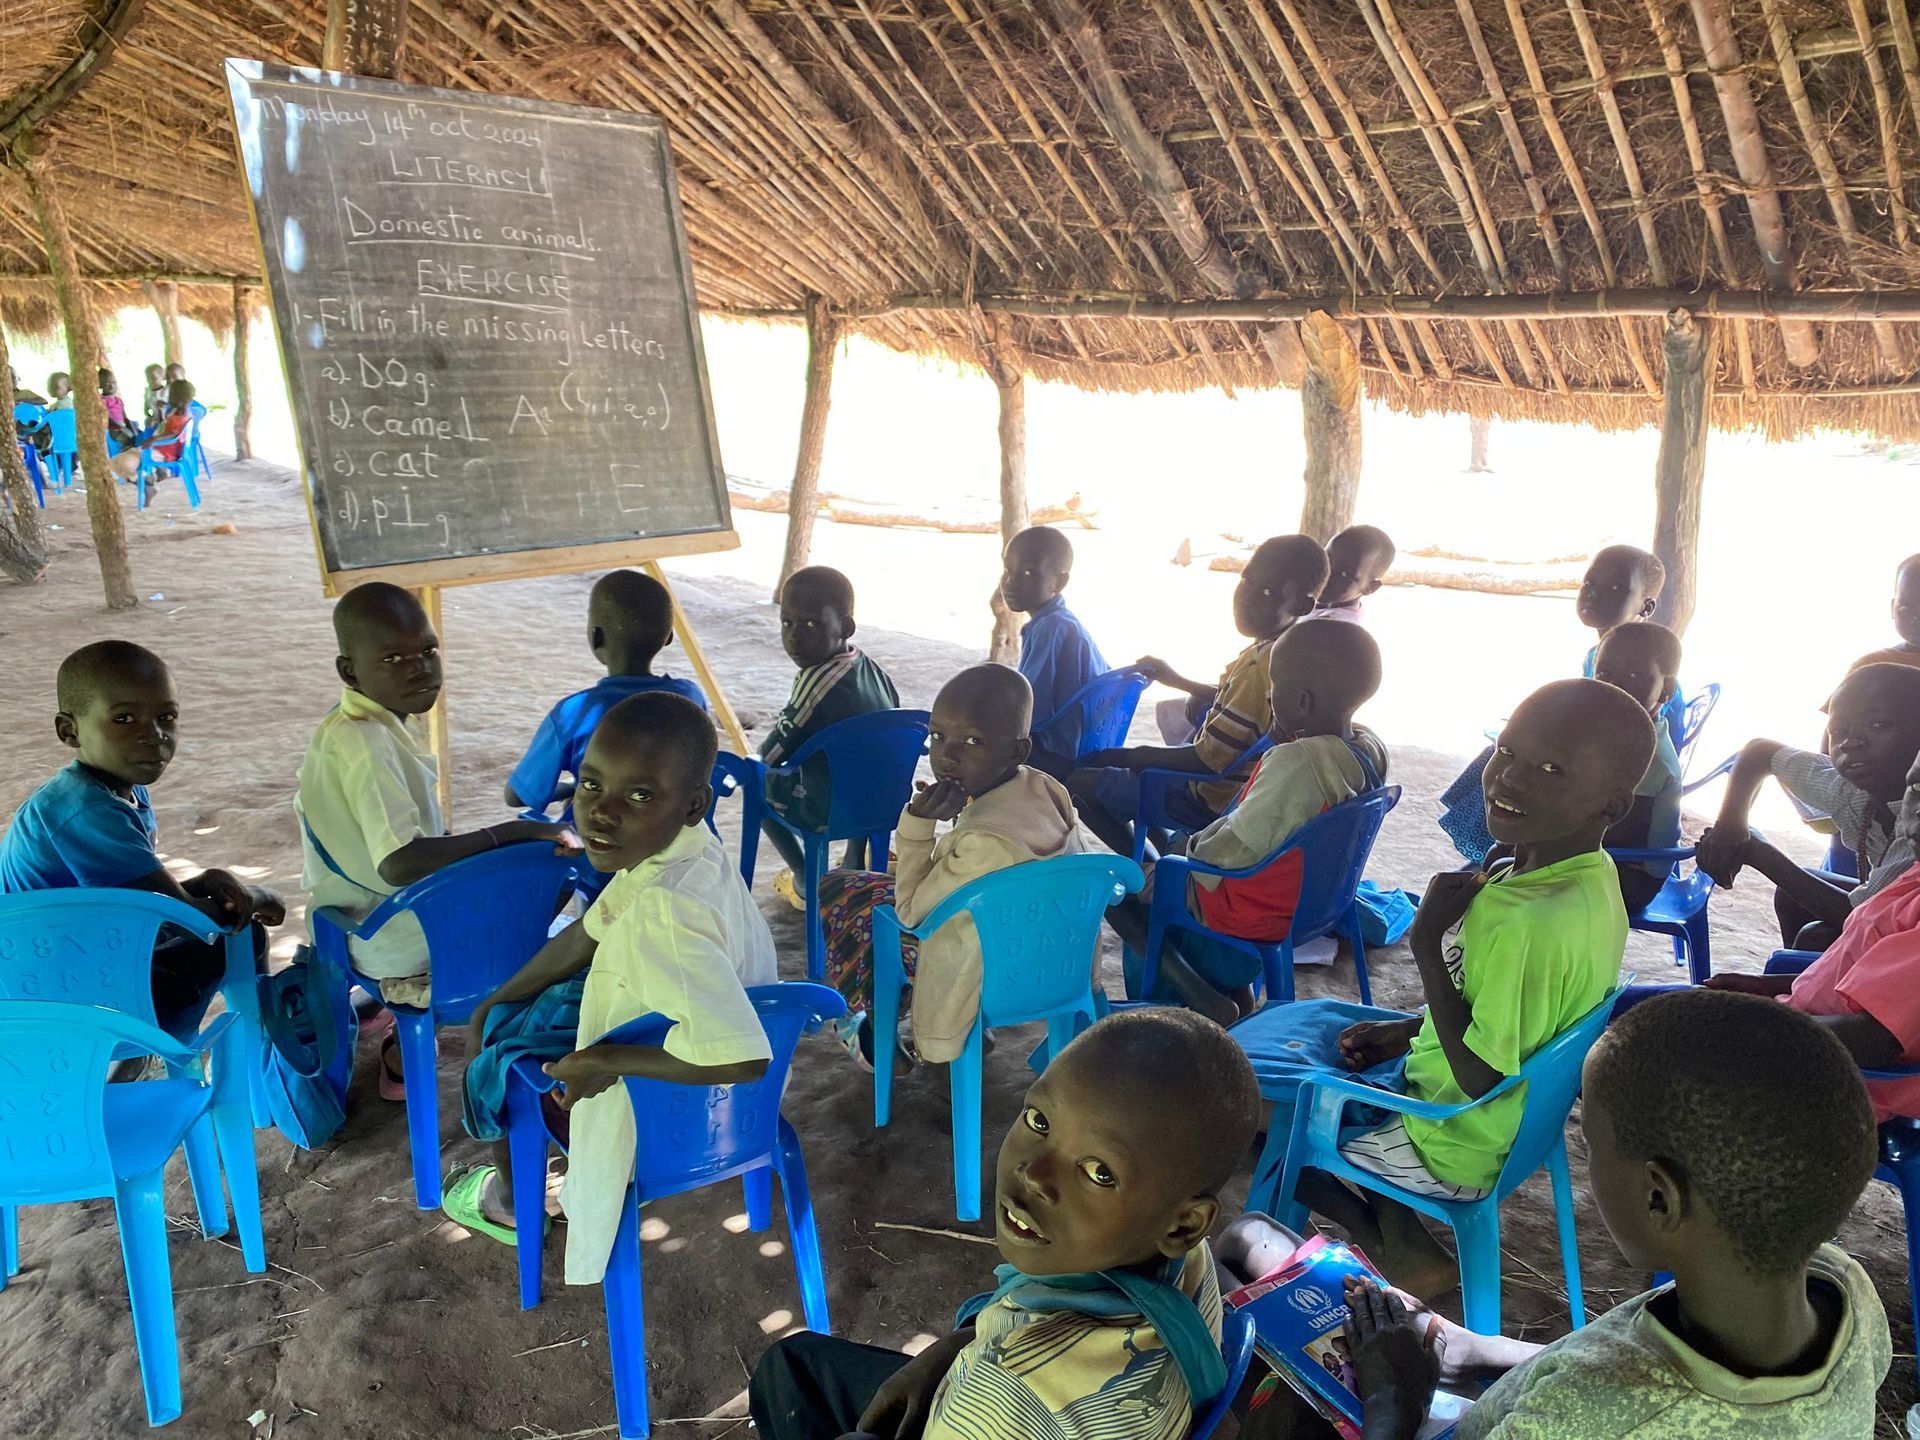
x: 1003, y: 814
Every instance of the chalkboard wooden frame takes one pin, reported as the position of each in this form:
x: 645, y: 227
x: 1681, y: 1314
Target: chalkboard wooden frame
x: 492, y: 564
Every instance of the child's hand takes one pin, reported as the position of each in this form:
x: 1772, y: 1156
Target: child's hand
x: 900, y: 1407
x: 1392, y: 1363
x: 580, y: 1076
x: 941, y: 800
x: 1153, y: 668
x: 232, y: 897
x: 1771, y: 985
x: 1446, y: 901
x: 1722, y: 853
x: 268, y: 908
x: 1374, y: 1042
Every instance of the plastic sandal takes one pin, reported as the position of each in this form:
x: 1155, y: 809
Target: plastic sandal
x: 460, y: 1203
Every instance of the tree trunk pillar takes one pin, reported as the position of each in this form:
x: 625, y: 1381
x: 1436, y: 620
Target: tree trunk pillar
x: 242, y: 382
x: 1003, y: 365
x: 19, y: 487
x: 1477, y: 460
x: 1330, y: 415
x: 83, y: 360
x: 164, y: 297
x: 1688, y: 352
x: 803, y: 499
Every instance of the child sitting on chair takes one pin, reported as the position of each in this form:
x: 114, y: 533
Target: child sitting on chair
x: 1003, y: 814
x: 835, y: 682
x: 1358, y: 558
x: 370, y: 821
x: 1508, y: 959
x: 1906, y: 619
x: 1057, y: 655
x: 154, y: 399
x: 629, y: 622
x: 675, y: 933
x: 119, y: 431
x: 1873, y: 727
x: 1727, y: 1140
x: 1105, y: 1320
x: 60, y: 388
x: 92, y: 826
x: 167, y: 440
x: 1622, y: 587
x: 1276, y: 589
x: 1643, y: 659
x: 1322, y: 671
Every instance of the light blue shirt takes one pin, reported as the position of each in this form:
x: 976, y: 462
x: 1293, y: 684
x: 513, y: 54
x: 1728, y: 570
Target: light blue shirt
x: 560, y: 744
x: 73, y: 832
x: 1058, y: 657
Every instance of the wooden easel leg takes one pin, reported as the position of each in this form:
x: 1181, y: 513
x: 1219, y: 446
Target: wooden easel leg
x: 723, y: 712
x: 437, y: 740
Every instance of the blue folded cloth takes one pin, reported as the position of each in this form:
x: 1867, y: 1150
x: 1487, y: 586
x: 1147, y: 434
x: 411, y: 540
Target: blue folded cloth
x: 541, y: 1029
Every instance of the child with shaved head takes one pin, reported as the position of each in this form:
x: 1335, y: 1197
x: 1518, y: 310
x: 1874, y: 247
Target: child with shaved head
x: 1003, y: 814
x: 1358, y: 559
x: 1643, y: 659
x: 1105, y: 1319
x: 1057, y: 655
x: 92, y: 826
x: 370, y: 821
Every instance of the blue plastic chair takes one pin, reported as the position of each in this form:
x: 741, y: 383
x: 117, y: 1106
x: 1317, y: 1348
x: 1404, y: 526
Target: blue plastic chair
x: 199, y: 413
x: 1236, y: 1348
x: 483, y: 919
x: 1334, y: 848
x: 870, y: 763
x: 1678, y: 910
x: 30, y: 457
x: 1551, y: 1076
x: 1038, y: 925
x: 1156, y: 784
x: 689, y: 1137
x: 1693, y: 720
x: 187, y: 467
x: 1104, y: 705
x: 64, y: 450
x: 72, y: 1136
x: 746, y: 777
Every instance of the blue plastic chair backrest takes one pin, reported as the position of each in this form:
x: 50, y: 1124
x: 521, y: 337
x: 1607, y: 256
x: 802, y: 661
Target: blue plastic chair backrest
x: 1105, y: 704
x: 733, y: 775
x: 1335, y: 847
x: 53, y: 1080
x: 89, y: 947
x: 1552, y: 1075
x: 686, y: 1134
x: 66, y: 435
x: 1039, y: 928
x: 870, y: 763
x: 1236, y: 1348
x: 1699, y: 709
x: 25, y: 412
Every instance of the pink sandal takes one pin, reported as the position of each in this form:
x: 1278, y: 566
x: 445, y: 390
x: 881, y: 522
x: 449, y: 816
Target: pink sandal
x: 392, y: 1087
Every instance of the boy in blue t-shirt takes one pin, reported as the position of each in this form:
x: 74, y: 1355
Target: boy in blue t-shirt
x: 629, y: 622
x: 1057, y: 655
x: 91, y: 824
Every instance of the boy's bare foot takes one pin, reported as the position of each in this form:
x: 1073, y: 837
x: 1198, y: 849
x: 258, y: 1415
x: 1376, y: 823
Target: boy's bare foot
x: 496, y: 1201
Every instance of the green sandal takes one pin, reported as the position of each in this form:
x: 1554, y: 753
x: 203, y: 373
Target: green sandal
x: 460, y: 1203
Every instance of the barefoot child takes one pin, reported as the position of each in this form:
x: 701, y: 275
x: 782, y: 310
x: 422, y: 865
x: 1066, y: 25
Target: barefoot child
x: 1106, y: 1317
x: 1276, y: 589
x: 92, y: 826
x: 1357, y: 560
x: 1057, y: 655
x: 675, y: 933
x: 1643, y: 659
x: 1003, y: 814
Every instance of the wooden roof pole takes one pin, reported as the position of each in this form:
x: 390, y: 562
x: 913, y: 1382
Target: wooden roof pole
x: 803, y: 500
x: 1728, y: 69
x: 242, y: 378
x: 364, y: 37
x: 1330, y: 419
x: 165, y: 300
x: 116, y: 17
x: 1681, y: 468
x: 1000, y: 355
x: 23, y: 545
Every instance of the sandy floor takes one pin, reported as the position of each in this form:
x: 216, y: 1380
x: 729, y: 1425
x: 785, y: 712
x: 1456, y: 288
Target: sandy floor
x: 382, y: 1320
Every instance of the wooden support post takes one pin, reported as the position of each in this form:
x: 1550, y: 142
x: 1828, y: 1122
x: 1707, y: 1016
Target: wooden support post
x: 1689, y: 356
x: 1330, y: 416
x: 803, y: 502
x: 242, y: 382
x: 165, y: 299
x: 83, y: 361
x: 1477, y: 457
x: 364, y: 37
x: 730, y: 731
x: 1003, y: 364
x: 438, y: 741
x: 32, y: 543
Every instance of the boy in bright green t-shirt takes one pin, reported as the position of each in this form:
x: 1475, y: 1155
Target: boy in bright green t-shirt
x: 1508, y: 957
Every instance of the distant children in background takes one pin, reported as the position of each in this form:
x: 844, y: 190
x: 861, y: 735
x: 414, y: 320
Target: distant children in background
x: 91, y: 825
x: 29, y: 421
x: 1358, y: 559
x: 166, y: 440
x: 1727, y: 1140
x: 119, y: 430
x: 1105, y: 1319
x: 675, y: 933
x: 629, y: 622
x: 60, y: 391
x: 1508, y: 959
x: 835, y: 682
x: 1057, y: 655
x: 1276, y: 589
x: 370, y: 822
x: 154, y: 399
x: 1643, y: 659
x: 1002, y: 814
x: 1873, y: 729
x: 1321, y: 671
x: 1622, y: 585
x: 1906, y: 619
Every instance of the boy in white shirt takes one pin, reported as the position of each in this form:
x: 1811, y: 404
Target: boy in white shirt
x: 675, y: 933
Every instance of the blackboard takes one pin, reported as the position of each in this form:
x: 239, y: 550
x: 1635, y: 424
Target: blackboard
x: 486, y: 315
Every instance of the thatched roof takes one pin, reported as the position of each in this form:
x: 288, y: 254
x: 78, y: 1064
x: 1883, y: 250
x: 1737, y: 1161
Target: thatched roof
x: 886, y: 151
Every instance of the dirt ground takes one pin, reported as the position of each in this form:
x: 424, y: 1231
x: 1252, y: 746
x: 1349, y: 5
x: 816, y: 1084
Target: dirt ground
x: 380, y: 1320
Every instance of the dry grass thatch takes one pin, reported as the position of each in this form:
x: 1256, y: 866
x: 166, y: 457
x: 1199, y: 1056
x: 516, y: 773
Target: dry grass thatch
x: 869, y: 150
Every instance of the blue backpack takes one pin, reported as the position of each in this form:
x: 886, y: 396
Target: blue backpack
x: 303, y: 1037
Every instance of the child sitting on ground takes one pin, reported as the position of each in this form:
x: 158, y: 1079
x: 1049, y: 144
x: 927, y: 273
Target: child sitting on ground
x: 835, y: 682
x: 370, y: 821
x: 1508, y: 958
x: 1358, y: 558
x: 92, y: 826
x: 1727, y: 1140
x: 1643, y: 659
x: 1003, y: 814
x: 1874, y: 733
x: 1906, y: 619
x: 675, y: 934
x: 1057, y: 655
x: 1106, y: 1316
x: 1275, y: 590
x: 629, y: 622
x: 1322, y: 671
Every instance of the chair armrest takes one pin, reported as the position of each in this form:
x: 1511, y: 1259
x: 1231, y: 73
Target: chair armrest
x: 1687, y: 787
x: 334, y: 916
x: 1893, y: 1072
x: 1790, y: 962
x: 1357, y: 1090
x: 1666, y: 856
